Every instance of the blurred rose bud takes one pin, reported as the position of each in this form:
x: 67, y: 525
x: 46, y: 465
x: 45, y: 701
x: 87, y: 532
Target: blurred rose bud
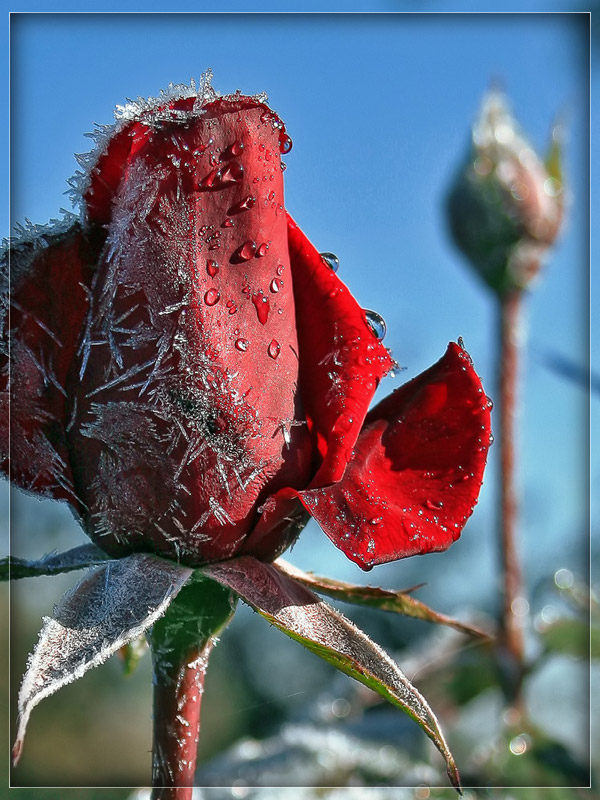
x: 505, y: 205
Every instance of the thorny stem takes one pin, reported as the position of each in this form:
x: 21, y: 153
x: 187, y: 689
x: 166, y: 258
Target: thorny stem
x: 513, y: 592
x: 178, y: 687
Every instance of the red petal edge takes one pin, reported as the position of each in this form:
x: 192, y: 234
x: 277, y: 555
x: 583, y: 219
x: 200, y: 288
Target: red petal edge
x: 341, y: 359
x: 416, y: 470
x: 49, y: 280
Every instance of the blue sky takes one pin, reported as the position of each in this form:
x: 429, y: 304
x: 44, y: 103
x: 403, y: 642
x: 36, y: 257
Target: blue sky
x: 379, y: 107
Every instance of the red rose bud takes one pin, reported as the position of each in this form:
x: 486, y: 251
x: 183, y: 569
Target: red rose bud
x: 505, y: 206
x: 193, y: 377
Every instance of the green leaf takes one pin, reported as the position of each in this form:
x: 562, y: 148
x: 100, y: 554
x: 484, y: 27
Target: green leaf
x: 86, y: 555
x: 304, y: 617
x: 384, y: 600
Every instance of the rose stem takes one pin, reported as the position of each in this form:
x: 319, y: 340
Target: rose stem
x: 178, y: 686
x: 512, y: 580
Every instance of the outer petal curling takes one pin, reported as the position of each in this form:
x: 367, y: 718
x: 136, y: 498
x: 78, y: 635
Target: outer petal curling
x: 47, y: 292
x: 341, y: 359
x: 416, y: 470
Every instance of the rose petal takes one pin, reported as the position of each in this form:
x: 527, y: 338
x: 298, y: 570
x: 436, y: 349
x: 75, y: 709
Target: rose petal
x: 49, y: 279
x: 416, y: 470
x: 341, y: 359
x: 188, y: 414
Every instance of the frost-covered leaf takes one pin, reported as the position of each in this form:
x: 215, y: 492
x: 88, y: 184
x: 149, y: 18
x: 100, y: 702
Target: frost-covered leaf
x: 398, y: 602
x: 112, y: 605
x: 87, y: 555
x: 301, y: 615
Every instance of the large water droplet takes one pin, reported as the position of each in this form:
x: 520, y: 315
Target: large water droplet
x: 245, y: 251
x: 434, y: 504
x: 210, y: 181
x: 227, y: 223
x: 232, y: 173
x: 280, y: 270
x: 276, y: 285
x: 211, y: 297
x: 262, y: 250
x: 242, y: 344
x: 285, y: 143
x: 235, y: 149
x: 262, y: 306
x: 274, y: 348
x: 212, y: 267
x: 331, y: 260
x: 242, y: 205
x: 221, y: 177
x: 376, y: 323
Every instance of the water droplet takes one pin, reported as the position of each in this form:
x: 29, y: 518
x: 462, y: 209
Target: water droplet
x: 245, y: 251
x: 434, y: 504
x: 232, y: 173
x: 210, y: 181
x: 212, y: 267
x: 276, y: 285
x: 242, y: 344
x: 242, y: 205
x: 211, y: 297
x: 228, y: 223
x: 262, y: 306
x: 233, y: 309
x: 262, y: 250
x: 331, y: 260
x: 376, y: 322
x: 274, y: 348
x: 280, y: 270
x: 220, y: 177
x: 285, y: 143
x: 235, y: 149
x: 246, y: 289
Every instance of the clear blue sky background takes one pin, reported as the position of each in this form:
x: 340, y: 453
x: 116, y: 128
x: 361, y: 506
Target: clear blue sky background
x: 379, y: 107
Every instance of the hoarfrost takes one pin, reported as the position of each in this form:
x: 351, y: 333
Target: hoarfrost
x: 111, y: 606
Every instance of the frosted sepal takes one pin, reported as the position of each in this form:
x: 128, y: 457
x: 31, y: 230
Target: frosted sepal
x: 112, y: 605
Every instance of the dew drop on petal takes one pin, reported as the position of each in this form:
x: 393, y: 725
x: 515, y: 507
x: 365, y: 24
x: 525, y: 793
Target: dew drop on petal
x: 242, y: 344
x: 280, y: 270
x: 232, y: 173
x: 232, y: 309
x: 246, y: 251
x: 275, y: 285
x: 242, y: 205
x: 262, y: 305
x: 212, y: 267
x: 274, y: 348
x: 262, y: 250
x: 376, y: 322
x: 227, y: 223
x: 331, y: 260
x: 211, y: 297
x: 235, y: 149
x: 285, y: 143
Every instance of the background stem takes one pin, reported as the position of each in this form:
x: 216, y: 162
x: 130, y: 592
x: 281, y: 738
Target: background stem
x: 512, y: 580
x: 178, y: 687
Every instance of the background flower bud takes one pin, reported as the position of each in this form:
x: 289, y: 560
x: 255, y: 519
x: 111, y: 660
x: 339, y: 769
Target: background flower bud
x: 505, y: 205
